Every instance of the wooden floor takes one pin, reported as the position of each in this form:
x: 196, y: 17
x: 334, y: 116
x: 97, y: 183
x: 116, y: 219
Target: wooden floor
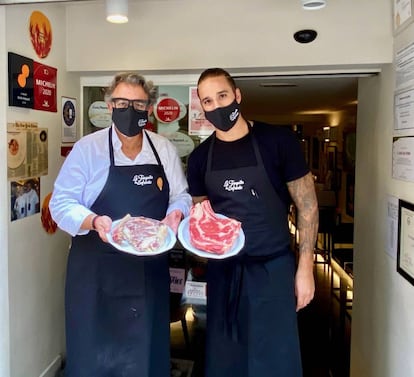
x: 325, y: 333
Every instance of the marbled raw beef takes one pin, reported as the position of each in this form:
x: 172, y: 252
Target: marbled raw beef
x: 209, y: 232
x: 142, y: 233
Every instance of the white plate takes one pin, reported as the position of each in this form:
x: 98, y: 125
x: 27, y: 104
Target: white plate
x: 127, y: 248
x: 184, y: 237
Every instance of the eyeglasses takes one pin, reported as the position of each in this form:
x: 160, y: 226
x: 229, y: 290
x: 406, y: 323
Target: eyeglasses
x: 124, y: 103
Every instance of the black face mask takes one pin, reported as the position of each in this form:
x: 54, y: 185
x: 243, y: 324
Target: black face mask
x: 224, y: 118
x: 129, y: 122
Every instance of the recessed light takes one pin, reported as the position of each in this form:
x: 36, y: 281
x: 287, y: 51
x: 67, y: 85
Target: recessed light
x: 305, y: 36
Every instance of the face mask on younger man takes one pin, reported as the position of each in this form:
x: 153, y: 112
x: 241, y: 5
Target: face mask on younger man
x: 224, y: 118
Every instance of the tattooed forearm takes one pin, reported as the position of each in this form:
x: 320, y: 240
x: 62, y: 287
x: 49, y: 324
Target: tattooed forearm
x: 302, y: 191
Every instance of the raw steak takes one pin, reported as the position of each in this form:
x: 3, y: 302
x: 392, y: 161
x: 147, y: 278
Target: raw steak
x: 142, y: 233
x: 209, y: 232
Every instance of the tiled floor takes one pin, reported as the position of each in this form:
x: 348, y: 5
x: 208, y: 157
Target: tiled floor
x: 325, y: 338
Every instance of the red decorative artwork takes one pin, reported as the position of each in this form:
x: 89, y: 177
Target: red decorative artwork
x: 40, y: 31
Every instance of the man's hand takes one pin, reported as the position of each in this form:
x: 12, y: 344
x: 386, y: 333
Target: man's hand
x: 103, y: 225
x: 304, y: 284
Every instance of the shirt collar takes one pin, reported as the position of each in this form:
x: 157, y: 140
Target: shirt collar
x: 117, y: 144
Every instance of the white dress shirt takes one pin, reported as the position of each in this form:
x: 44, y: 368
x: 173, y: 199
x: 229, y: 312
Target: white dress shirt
x: 85, y: 171
x: 32, y: 200
x: 20, y: 206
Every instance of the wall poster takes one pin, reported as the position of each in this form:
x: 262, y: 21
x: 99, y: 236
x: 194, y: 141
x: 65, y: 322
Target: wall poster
x: 24, y: 198
x: 198, y: 125
x: 403, y: 158
x: 404, y: 67
x: 20, y: 81
x: 27, y: 151
x: 392, y: 226
x: 405, y: 252
x: 404, y: 110
x: 44, y: 82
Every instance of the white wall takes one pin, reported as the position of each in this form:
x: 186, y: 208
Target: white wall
x: 371, y: 328
x: 180, y: 34
x: 382, y: 325
x: 4, y: 293
x: 36, y: 260
x: 189, y: 36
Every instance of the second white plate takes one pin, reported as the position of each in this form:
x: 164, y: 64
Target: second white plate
x: 184, y: 237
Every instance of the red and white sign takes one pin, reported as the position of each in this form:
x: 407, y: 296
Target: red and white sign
x: 44, y: 87
x: 169, y: 110
x: 198, y: 125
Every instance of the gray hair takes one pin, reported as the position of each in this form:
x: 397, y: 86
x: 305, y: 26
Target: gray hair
x: 132, y: 78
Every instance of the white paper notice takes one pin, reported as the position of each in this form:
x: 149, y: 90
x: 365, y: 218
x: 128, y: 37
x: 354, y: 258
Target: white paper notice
x: 177, y: 280
x: 404, y: 110
x: 403, y: 158
x: 392, y: 226
x: 404, y: 67
x: 195, y: 292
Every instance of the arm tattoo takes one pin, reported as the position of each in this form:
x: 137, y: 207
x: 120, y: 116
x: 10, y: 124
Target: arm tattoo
x: 302, y: 191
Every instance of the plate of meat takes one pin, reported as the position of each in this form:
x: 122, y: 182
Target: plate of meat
x: 210, y: 235
x: 141, y: 236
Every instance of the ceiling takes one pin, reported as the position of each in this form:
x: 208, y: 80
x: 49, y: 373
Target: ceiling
x: 312, y: 101
x: 10, y: 2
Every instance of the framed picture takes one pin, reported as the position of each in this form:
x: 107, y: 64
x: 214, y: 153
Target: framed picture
x: 69, y: 121
x: 402, y: 15
x: 405, y: 246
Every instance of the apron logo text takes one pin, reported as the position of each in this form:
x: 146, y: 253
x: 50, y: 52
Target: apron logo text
x: 232, y: 185
x: 142, y: 180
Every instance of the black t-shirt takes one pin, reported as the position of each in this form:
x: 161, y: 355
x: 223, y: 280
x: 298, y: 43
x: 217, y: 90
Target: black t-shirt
x: 280, y: 150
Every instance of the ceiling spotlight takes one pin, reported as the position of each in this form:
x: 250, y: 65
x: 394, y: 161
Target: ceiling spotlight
x: 313, y: 4
x: 117, y: 11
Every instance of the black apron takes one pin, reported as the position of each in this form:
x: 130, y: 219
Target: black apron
x: 117, y: 305
x: 251, y: 306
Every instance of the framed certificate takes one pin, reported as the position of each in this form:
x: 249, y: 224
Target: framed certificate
x: 405, y: 250
x: 69, y: 114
